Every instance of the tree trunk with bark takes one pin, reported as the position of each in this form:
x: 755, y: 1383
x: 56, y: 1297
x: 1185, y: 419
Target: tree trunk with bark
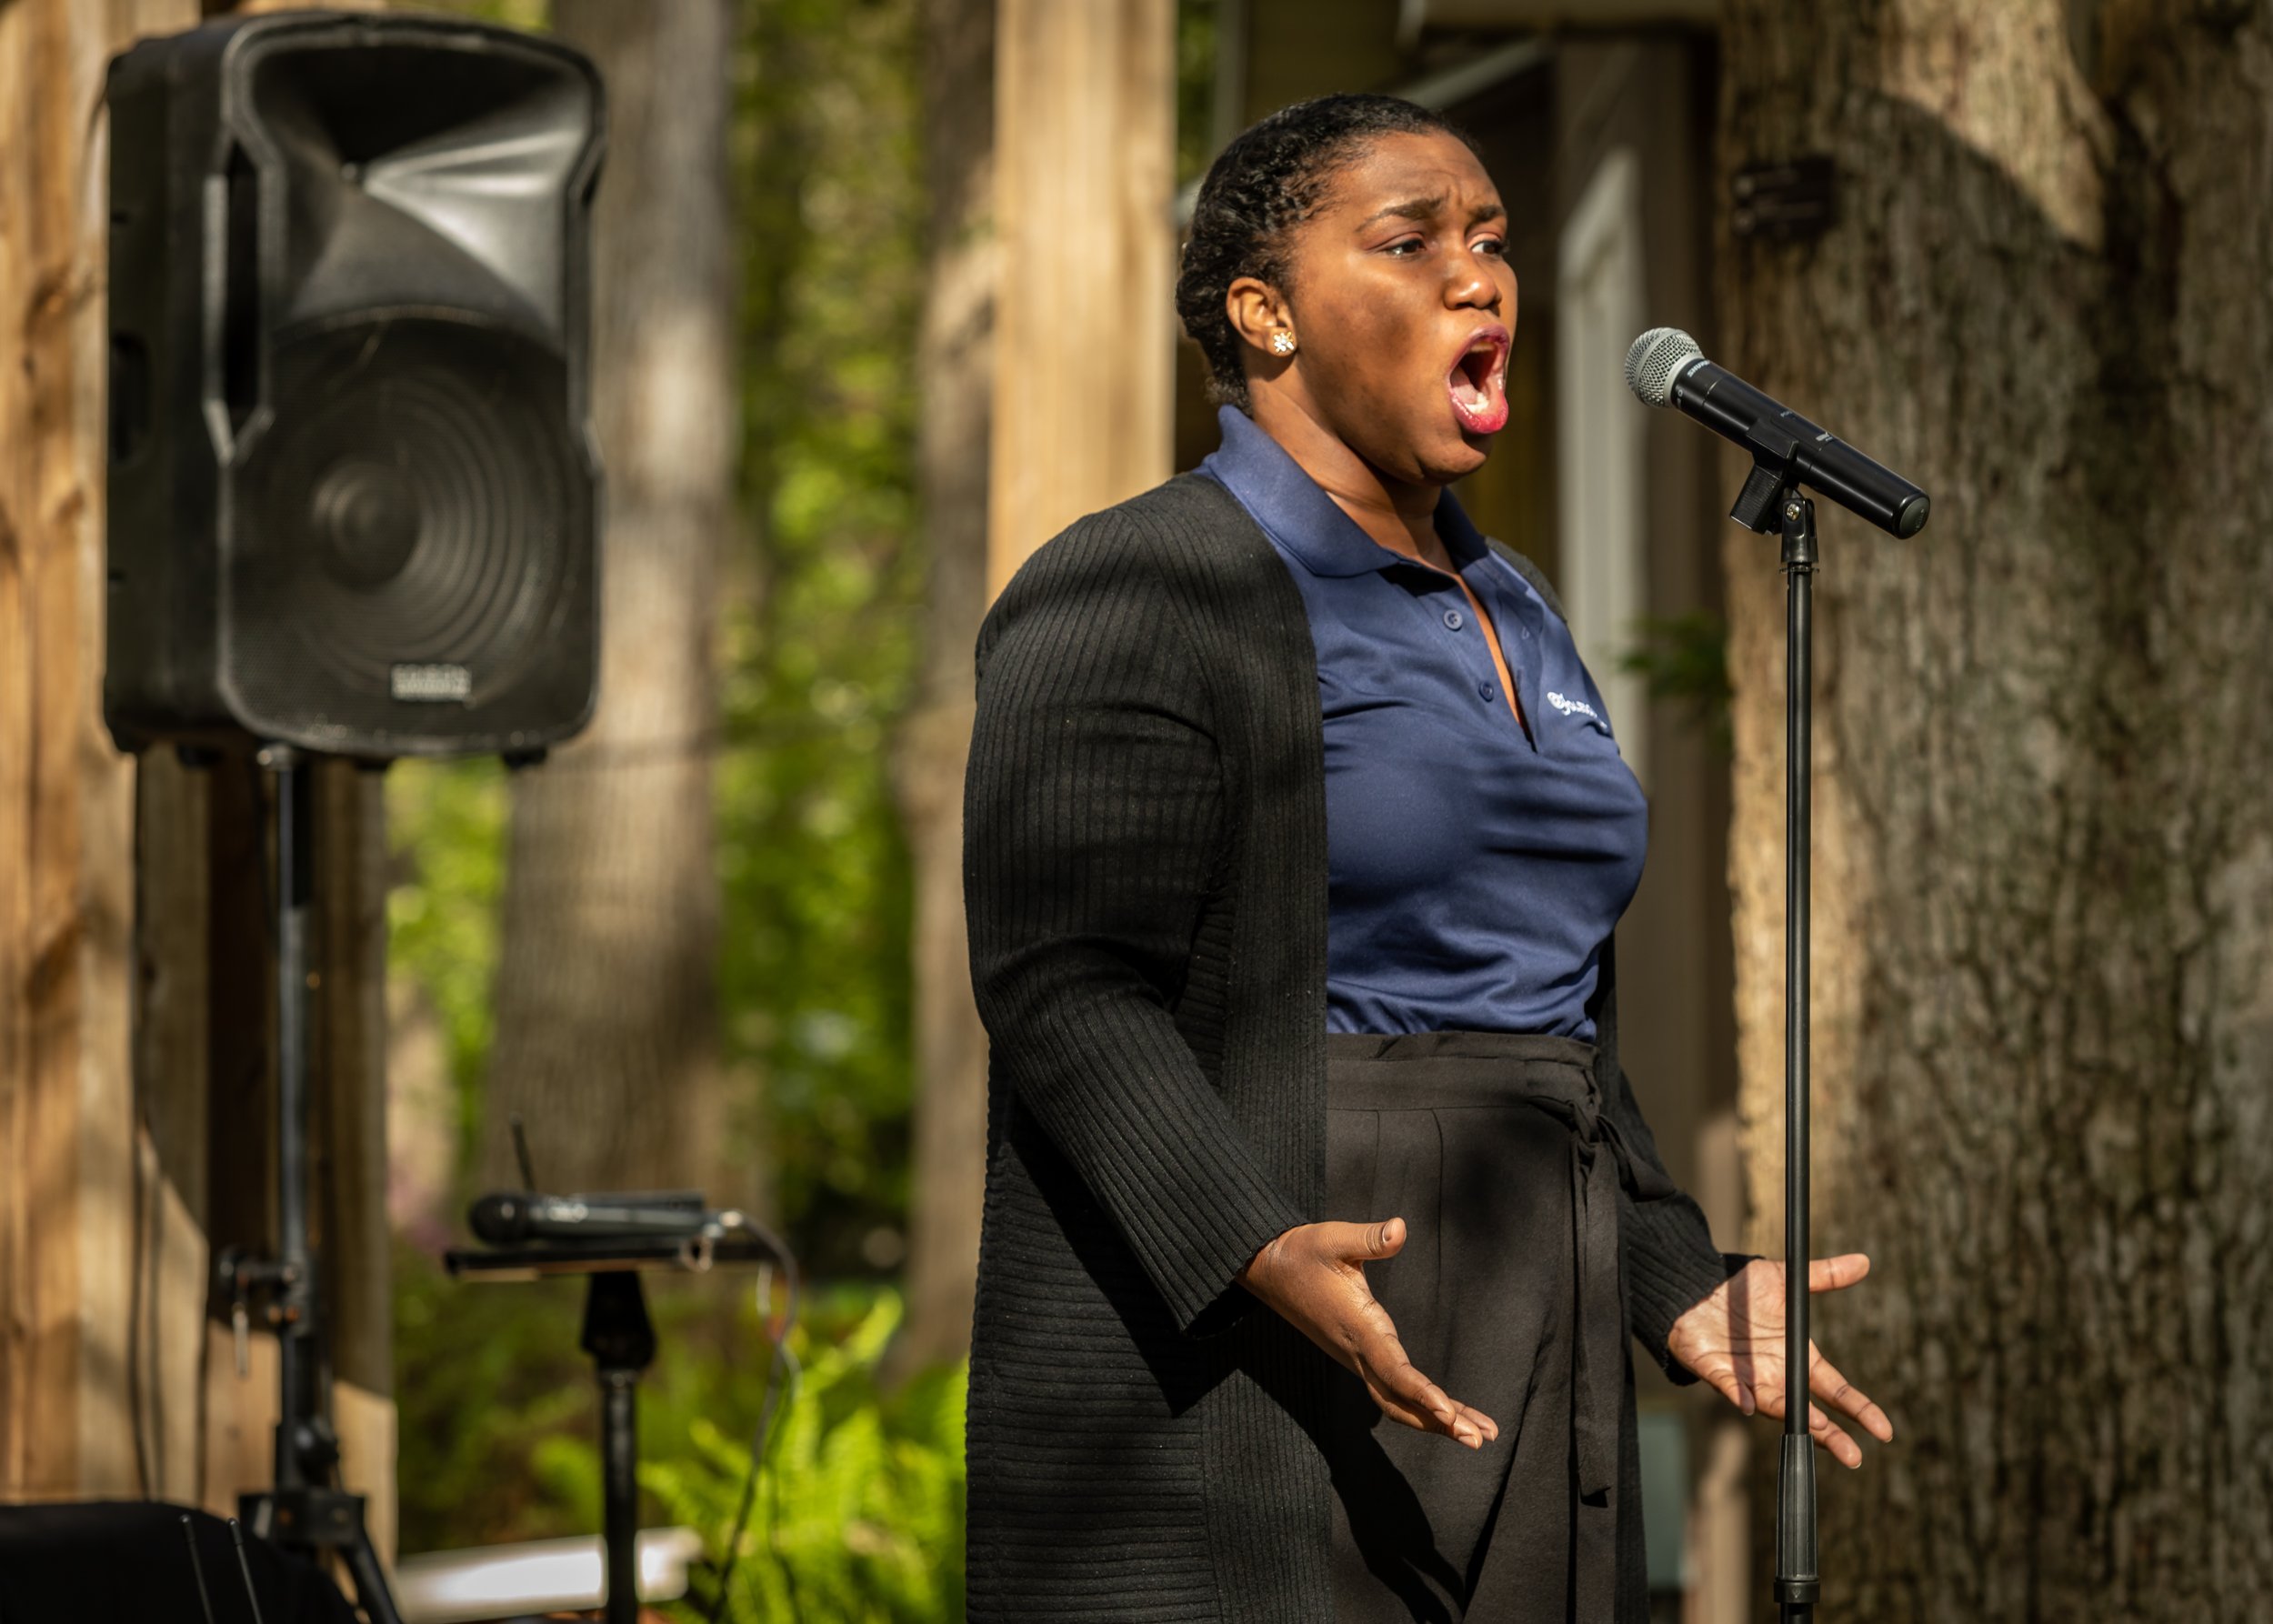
x: 2043, y: 759
x: 955, y: 363
x: 607, y: 1040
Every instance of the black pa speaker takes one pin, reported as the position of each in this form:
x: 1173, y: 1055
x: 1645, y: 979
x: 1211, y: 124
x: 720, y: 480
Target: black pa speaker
x: 353, y: 490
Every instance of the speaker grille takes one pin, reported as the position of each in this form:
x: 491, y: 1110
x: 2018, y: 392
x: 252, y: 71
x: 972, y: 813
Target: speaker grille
x: 414, y: 501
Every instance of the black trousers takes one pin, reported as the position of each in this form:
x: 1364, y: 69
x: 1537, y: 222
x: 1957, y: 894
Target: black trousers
x: 1485, y: 1144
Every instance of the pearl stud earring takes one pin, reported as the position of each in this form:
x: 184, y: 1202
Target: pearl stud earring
x: 1282, y: 344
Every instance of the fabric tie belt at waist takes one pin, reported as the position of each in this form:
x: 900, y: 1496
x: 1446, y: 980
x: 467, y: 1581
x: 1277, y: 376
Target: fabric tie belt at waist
x: 1557, y: 1075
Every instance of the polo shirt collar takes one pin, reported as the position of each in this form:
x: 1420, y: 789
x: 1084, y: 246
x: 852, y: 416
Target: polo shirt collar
x: 1298, y: 515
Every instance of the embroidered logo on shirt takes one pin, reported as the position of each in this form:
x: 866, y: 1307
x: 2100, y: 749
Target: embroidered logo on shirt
x: 1568, y: 705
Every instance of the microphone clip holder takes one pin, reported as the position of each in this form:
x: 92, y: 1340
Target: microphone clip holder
x: 1770, y: 480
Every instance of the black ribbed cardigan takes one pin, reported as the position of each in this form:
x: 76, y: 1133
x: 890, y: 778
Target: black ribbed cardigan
x: 1144, y: 870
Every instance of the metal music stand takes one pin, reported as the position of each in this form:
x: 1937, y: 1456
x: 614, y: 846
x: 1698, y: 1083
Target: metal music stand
x: 620, y: 1338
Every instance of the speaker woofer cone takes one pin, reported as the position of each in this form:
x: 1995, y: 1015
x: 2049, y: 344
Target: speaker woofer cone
x: 364, y: 520
x: 402, y: 506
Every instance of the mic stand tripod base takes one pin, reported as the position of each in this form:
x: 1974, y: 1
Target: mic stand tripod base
x: 317, y: 1520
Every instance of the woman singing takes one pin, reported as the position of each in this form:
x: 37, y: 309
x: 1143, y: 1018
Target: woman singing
x: 1317, y: 1206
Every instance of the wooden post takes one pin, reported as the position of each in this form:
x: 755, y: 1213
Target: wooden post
x: 134, y: 1088
x: 173, y: 1020
x: 954, y: 359
x: 66, y: 798
x: 1085, y: 110
x: 1077, y: 277
x: 350, y: 1152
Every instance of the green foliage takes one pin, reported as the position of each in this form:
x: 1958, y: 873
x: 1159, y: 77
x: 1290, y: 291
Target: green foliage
x: 859, y: 1510
x: 1685, y: 658
x: 485, y: 1375
x: 445, y: 824
x: 498, y: 1414
x: 821, y: 644
x: 531, y: 16
x: 1196, y: 22
x: 819, y: 650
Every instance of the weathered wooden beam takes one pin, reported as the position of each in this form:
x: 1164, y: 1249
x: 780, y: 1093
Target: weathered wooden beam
x: 67, y: 797
x: 1085, y: 112
x: 351, y: 1130
x: 173, y: 989
x: 135, y: 1092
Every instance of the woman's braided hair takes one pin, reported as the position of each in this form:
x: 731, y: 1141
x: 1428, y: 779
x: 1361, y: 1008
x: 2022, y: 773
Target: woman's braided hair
x: 1272, y: 178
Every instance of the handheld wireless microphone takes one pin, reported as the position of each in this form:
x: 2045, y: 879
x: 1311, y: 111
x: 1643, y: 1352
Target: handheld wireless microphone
x: 504, y: 1218
x: 1667, y: 368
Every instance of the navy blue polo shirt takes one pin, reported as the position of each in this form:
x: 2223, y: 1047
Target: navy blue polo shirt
x: 1475, y: 866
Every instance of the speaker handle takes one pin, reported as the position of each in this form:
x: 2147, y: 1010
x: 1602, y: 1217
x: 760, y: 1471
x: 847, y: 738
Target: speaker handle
x: 232, y: 347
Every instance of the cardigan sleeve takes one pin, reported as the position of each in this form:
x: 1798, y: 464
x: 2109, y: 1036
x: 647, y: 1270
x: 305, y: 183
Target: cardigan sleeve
x: 1092, y: 825
x: 1671, y: 1263
x: 1669, y: 1259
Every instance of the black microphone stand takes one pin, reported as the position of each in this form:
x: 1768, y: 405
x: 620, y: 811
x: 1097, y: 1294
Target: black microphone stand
x: 1797, y: 1574
x: 1772, y: 502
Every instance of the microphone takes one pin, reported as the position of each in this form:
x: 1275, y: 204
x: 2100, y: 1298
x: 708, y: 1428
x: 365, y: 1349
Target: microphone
x: 1667, y: 368
x: 506, y: 1217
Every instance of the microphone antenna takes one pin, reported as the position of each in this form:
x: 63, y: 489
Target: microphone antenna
x: 196, y: 1568
x: 521, y: 1155
x: 236, y: 1531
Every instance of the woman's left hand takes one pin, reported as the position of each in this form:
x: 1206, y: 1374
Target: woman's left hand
x: 1735, y: 1340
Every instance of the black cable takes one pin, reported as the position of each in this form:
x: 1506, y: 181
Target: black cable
x: 710, y: 742
x: 782, y: 1359
x: 139, y: 1262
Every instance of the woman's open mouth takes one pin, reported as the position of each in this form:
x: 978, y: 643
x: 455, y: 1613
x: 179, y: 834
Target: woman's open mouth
x: 1478, y: 382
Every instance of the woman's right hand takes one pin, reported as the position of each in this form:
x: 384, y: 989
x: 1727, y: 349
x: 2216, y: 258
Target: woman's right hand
x: 1312, y: 1276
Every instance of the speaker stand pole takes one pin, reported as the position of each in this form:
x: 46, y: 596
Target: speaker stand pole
x: 305, y: 1511
x: 1798, y: 1579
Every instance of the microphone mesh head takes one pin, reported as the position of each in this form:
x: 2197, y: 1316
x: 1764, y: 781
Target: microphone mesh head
x: 1656, y: 357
